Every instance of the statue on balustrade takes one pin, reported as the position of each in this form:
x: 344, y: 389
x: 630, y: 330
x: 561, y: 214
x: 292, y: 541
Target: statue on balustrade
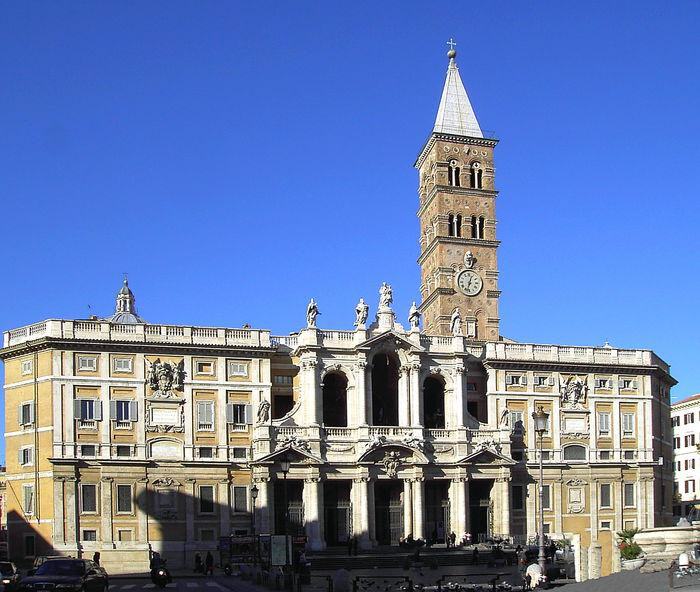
x: 414, y: 316
x: 361, y: 312
x: 311, y: 314
x: 386, y: 296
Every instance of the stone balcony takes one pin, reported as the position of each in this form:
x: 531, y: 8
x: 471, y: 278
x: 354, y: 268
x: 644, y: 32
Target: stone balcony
x: 162, y: 334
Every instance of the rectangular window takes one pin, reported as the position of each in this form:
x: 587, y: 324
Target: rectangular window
x: 205, y: 415
x: 90, y: 536
x: 629, y: 454
x: 605, y: 525
x: 166, y: 499
x: 206, y: 367
x: 206, y: 452
x: 627, y: 424
x: 123, y: 365
x: 515, y: 380
x: 88, y: 409
x: 26, y: 413
x: 124, y: 536
x: 123, y: 450
x: 87, y: 450
x: 604, y: 455
x: 675, y: 421
x: 603, y: 383
x: 26, y: 455
x: 87, y: 363
x: 677, y: 442
x: 29, y: 545
x: 280, y: 380
x: 629, y: 495
x: 206, y: 499
x: 603, y: 423
x: 240, y: 453
x: 124, y: 499
x: 123, y: 409
x: 240, y: 499
x: 518, y: 497
x: 516, y: 421
x: 238, y: 369
x: 88, y: 498
x: 28, y: 499
x: 690, y: 486
x: 546, y: 498
x: 543, y: 381
x: 627, y: 384
x: 238, y: 413
x: 605, y: 496
x: 26, y: 367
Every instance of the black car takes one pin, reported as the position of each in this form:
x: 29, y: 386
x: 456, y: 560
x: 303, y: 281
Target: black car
x: 10, y: 576
x: 66, y: 575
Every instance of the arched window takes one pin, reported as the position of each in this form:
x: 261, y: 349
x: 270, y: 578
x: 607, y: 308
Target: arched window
x: 434, y: 403
x: 458, y: 225
x: 453, y: 174
x: 475, y: 175
x: 481, y: 227
x: 451, y: 225
x: 335, y: 400
x: 477, y: 224
x: 385, y: 390
x: 575, y: 452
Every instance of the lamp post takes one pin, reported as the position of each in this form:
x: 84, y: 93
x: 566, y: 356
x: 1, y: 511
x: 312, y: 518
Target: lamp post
x: 284, y: 467
x: 540, y: 418
x: 254, y: 496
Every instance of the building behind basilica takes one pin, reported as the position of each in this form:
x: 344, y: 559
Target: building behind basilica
x: 125, y: 436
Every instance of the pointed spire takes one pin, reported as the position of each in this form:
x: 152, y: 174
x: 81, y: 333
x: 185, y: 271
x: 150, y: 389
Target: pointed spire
x: 455, y: 114
x: 125, y: 311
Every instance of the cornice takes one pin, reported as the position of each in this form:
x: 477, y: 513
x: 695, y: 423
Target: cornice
x: 464, y: 191
x: 466, y: 140
x: 134, y: 347
x: 454, y: 240
x: 571, y: 366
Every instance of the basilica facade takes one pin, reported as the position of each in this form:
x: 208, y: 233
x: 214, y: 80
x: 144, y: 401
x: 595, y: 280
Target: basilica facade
x: 126, y: 437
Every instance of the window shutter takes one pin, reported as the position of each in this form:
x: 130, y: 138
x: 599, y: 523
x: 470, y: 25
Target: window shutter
x: 550, y: 381
x: 19, y: 456
x: 76, y: 409
x: 31, y: 412
x: 113, y: 410
x: 620, y: 383
x: 248, y: 415
x: 98, y: 410
x: 634, y: 384
x: 229, y: 412
x: 212, y: 411
x: 31, y: 455
x: 523, y: 381
x: 19, y: 414
x: 509, y: 380
x: 200, y: 413
x: 133, y: 410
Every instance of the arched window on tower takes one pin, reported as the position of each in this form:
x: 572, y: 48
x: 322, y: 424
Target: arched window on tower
x: 451, y: 225
x: 475, y: 175
x: 481, y: 227
x: 335, y: 400
x: 453, y: 173
x: 458, y: 225
x: 475, y: 227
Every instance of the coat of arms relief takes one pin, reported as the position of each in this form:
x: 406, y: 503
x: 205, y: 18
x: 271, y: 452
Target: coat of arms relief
x: 164, y: 378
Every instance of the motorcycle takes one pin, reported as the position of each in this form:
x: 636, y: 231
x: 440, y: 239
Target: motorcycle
x: 160, y: 576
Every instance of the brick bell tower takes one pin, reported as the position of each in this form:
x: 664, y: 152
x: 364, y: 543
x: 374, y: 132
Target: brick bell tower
x: 459, y: 268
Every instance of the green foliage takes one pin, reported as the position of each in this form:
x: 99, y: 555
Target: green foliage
x: 628, y: 548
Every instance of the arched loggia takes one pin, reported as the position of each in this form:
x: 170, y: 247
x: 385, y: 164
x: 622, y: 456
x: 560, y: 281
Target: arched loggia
x: 385, y: 390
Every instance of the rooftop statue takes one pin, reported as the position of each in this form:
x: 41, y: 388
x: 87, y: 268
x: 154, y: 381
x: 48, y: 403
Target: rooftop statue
x: 311, y: 313
x: 386, y: 296
x: 361, y: 312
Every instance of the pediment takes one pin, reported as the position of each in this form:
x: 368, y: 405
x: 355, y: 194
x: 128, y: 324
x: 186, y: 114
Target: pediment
x: 486, y: 456
x: 293, y: 453
x: 375, y: 453
x: 396, y: 340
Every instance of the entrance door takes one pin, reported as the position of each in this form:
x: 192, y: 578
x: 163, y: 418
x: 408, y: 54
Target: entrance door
x: 480, y: 506
x: 437, y: 511
x: 337, y: 511
x: 388, y: 512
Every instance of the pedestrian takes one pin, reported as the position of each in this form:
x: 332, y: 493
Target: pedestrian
x: 453, y: 539
x: 198, y: 568
x: 209, y: 562
x: 96, y: 557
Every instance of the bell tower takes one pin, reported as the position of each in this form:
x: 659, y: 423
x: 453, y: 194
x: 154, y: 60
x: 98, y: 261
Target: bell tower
x: 459, y: 268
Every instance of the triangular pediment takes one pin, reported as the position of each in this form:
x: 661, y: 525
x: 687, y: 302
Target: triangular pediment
x: 293, y: 453
x: 486, y: 456
x: 375, y: 453
x: 397, y: 340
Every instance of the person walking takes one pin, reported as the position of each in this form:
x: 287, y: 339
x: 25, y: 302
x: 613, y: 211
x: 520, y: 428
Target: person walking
x: 198, y: 567
x: 96, y: 557
x: 453, y: 540
x: 209, y: 562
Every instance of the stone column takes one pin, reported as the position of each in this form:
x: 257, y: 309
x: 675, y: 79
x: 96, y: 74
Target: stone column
x: 404, y: 403
x: 313, y: 513
x: 503, y: 519
x: 106, y: 512
x: 618, y: 504
x: 225, y: 507
x: 360, y: 511
x: 71, y: 511
x: 191, y: 495
x: 310, y: 386
x: 532, y: 508
x: 407, y: 507
x: 418, y: 503
x: 458, y: 397
x: 368, y: 395
x: 415, y: 396
x: 264, y: 505
x: 467, y: 507
x: 360, y: 407
x: 59, y: 527
x: 593, y: 510
x: 595, y: 560
x: 456, y: 495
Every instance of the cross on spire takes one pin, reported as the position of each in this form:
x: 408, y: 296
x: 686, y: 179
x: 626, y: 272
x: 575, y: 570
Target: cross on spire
x: 452, y: 43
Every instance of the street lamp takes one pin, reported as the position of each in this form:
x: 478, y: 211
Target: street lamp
x: 541, y: 418
x: 254, y: 496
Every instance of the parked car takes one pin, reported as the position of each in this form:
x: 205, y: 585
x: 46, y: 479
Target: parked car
x: 40, y: 559
x: 68, y: 575
x: 10, y: 576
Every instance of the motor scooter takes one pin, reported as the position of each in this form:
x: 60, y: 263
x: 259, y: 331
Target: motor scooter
x: 160, y: 576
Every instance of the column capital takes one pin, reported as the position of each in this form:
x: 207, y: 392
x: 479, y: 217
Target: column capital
x: 190, y: 480
x: 406, y: 368
x: 459, y: 370
x: 59, y: 478
x: 144, y: 480
x: 106, y: 479
x: 262, y: 479
x: 313, y: 479
x: 361, y: 479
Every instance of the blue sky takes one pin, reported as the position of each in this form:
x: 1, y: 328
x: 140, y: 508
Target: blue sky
x: 237, y: 158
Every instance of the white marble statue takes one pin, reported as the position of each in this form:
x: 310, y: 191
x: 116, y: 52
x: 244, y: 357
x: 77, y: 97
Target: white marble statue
x: 263, y: 411
x: 456, y: 322
x: 414, y: 316
x: 386, y: 296
x: 361, y: 312
x: 311, y: 313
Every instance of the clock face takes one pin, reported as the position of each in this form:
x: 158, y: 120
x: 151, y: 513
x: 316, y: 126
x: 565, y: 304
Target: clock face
x: 469, y: 282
